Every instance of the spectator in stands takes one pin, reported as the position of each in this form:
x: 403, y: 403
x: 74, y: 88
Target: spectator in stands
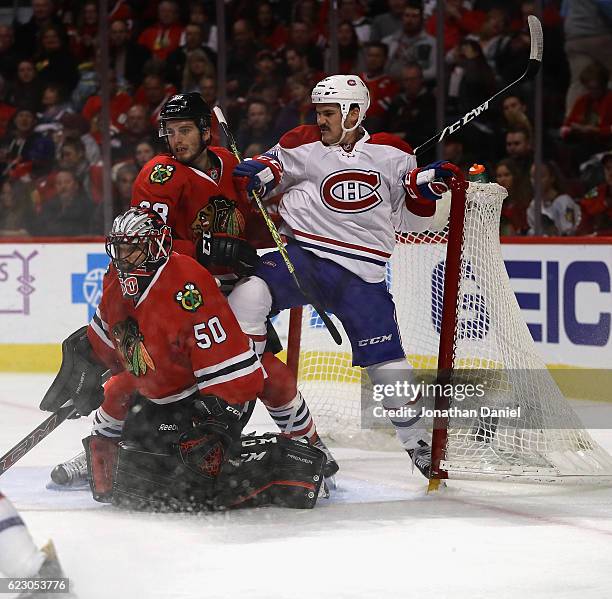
x: 23, y: 152
x: 351, y: 57
x: 596, y: 206
x: 153, y: 94
x: 137, y: 128
x: 412, y: 113
x: 53, y: 105
x: 144, y: 151
x: 514, y: 208
x: 6, y: 110
x: 453, y: 150
x: 302, y: 36
x: 589, y: 123
x: 492, y: 36
x: 127, y: 58
x: 353, y: 11
x: 208, y: 90
x: 59, y: 65
x: 197, y: 65
x: 123, y: 181
x: 459, y: 22
x: 519, y: 147
x: 68, y: 212
x: 9, y: 55
x: 163, y: 37
x: 28, y: 34
x: 257, y: 130
x: 411, y: 44
x: 381, y: 87
x: 199, y: 16
x: 562, y: 212
x: 16, y: 209
x: 299, y: 111
x: 588, y: 39
x: 76, y: 126
x: 87, y: 31
x: 269, y: 32
x: 240, y: 63
x: 514, y: 112
x: 175, y: 64
x: 266, y: 70
x: 27, y: 89
x: 390, y: 22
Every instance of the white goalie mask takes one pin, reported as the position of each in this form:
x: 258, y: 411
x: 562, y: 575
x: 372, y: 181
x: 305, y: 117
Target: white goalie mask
x: 344, y: 90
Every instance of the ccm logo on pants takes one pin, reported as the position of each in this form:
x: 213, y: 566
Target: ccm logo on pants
x: 374, y: 340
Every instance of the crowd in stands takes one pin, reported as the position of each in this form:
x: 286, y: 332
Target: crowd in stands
x: 50, y: 104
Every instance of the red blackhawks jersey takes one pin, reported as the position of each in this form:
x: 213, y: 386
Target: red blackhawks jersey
x: 345, y: 205
x: 180, y: 337
x: 192, y: 201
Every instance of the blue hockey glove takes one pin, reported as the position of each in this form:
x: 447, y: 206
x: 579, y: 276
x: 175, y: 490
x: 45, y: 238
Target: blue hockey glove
x: 263, y: 173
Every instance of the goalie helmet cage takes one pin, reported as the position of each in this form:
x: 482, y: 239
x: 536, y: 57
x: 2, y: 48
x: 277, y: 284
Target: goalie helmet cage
x: 456, y: 310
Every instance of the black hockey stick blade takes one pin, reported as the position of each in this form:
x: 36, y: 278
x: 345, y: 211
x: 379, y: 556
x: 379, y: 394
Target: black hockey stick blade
x: 331, y: 327
x: 533, y: 66
x: 35, y: 437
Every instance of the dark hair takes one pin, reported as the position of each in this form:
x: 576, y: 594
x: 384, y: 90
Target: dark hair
x: 379, y: 45
x: 522, y: 130
x: 595, y: 71
x: 559, y: 182
x: 521, y: 190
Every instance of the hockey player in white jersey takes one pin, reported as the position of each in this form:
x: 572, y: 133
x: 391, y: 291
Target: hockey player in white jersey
x: 345, y: 194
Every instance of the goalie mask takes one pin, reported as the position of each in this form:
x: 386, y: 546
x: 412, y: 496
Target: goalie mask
x: 138, y: 244
x: 346, y: 91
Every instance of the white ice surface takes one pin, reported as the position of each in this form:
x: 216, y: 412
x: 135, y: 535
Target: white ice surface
x: 379, y: 537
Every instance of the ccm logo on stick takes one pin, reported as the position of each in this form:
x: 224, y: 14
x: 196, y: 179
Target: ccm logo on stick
x: 374, y: 340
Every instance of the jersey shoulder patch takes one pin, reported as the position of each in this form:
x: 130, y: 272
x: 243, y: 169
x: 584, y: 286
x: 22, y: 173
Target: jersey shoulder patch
x: 388, y: 139
x: 305, y: 134
x: 161, y: 173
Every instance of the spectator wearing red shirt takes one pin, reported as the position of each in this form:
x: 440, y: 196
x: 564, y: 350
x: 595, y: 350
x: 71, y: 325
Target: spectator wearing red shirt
x: 85, y: 44
x: 514, y: 209
x: 269, y: 32
x: 596, y: 205
x: 381, y: 87
x: 165, y: 36
x: 458, y: 22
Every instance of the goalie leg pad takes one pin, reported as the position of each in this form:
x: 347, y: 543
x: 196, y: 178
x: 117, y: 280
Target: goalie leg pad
x: 101, y: 453
x: 270, y: 469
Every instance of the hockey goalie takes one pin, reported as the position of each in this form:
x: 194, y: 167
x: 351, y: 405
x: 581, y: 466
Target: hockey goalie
x: 164, y: 327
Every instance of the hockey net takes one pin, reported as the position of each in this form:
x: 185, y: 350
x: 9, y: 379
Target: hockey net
x: 467, y: 300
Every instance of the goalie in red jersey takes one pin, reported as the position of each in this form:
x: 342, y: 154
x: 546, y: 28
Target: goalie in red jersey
x: 191, y: 187
x: 163, y: 322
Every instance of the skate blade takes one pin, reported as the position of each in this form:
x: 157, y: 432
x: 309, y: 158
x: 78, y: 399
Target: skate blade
x: 80, y: 486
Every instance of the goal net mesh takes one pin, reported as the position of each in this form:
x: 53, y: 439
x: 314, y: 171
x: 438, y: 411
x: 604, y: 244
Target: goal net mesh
x: 544, y: 439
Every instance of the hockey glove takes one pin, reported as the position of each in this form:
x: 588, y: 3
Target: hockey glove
x: 263, y: 173
x: 79, y: 378
x: 431, y: 181
x: 220, y: 249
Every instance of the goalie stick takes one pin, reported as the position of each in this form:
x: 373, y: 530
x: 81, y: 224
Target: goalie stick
x: 333, y: 331
x: 535, y: 61
x: 35, y: 437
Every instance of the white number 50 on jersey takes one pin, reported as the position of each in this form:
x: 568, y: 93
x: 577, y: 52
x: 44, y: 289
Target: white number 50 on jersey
x: 216, y: 330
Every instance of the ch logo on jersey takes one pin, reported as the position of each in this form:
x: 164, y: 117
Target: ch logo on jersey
x: 218, y: 216
x: 189, y: 298
x: 161, y: 173
x: 129, y: 341
x: 351, y: 191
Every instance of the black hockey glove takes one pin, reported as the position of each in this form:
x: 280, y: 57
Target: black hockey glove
x: 220, y: 249
x: 79, y: 378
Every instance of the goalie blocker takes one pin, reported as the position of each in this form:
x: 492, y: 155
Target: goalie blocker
x: 193, y: 459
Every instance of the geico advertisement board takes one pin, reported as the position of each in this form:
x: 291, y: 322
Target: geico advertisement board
x: 48, y: 290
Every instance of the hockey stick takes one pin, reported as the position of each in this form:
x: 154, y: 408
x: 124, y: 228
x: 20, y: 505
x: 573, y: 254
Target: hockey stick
x: 333, y: 331
x: 535, y: 60
x: 35, y: 437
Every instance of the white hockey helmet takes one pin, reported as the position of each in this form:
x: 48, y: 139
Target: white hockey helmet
x: 344, y: 90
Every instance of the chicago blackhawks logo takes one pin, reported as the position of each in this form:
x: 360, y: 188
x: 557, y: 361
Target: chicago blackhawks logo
x: 351, y: 191
x: 161, y: 173
x: 189, y: 298
x: 129, y: 342
x: 218, y: 216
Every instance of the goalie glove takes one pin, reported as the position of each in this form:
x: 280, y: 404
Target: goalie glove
x: 431, y: 181
x: 220, y: 249
x: 263, y: 173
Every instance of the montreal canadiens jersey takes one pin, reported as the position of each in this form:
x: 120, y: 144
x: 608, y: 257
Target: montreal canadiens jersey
x: 346, y: 205
x: 180, y: 337
x: 192, y: 201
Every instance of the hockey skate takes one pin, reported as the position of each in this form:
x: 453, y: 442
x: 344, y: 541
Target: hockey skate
x: 421, y: 458
x: 50, y: 569
x: 71, y: 474
x: 331, y: 466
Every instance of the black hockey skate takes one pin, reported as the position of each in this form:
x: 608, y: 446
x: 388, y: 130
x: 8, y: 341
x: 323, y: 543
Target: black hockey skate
x: 421, y: 458
x: 331, y: 466
x: 72, y: 473
x: 50, y: 569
